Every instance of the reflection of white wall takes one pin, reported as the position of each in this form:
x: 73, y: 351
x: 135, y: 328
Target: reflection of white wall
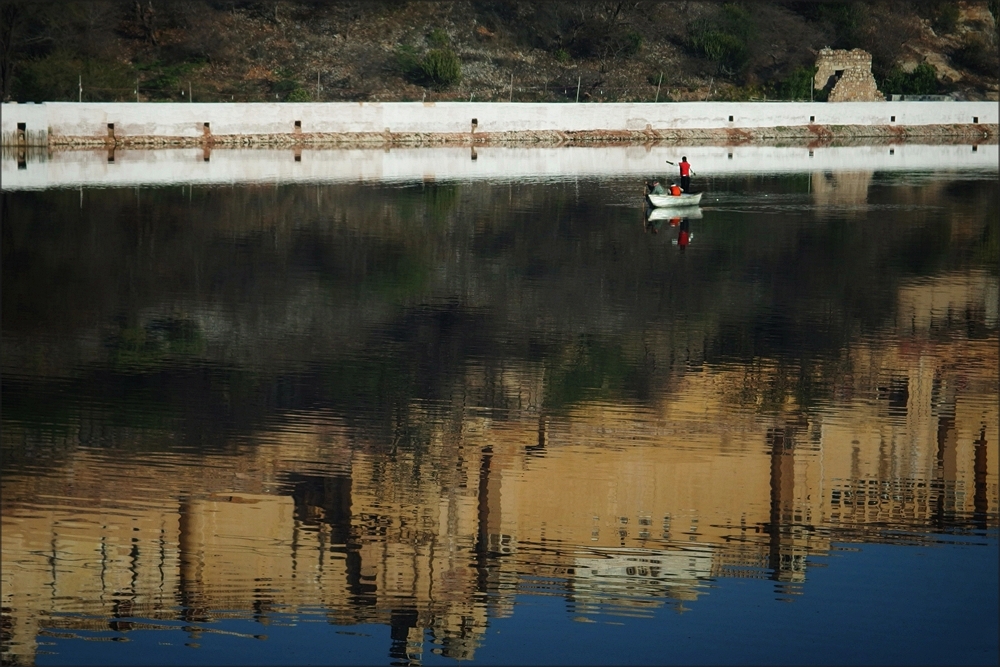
x: 649, y: 564
x: 926, y: 302
x: 187, y: 120
x: 637, y: 578
x: 225, y: 167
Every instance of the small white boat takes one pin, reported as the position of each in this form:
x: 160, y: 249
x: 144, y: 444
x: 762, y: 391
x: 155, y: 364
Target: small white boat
x: 665, y: 201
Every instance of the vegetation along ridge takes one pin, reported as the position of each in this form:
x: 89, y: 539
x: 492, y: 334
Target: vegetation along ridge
x: 490, y: 50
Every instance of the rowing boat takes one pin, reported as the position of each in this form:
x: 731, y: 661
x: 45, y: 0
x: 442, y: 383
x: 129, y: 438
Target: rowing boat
x: 664, y: 201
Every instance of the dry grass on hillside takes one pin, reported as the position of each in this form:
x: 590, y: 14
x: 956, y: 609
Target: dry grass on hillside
x: 507, y: 49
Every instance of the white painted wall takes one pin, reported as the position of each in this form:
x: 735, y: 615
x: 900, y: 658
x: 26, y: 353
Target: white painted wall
x: 187, y: 120
x: 72, y: 169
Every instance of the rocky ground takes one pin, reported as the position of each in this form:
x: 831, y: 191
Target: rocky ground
x: 553, y: 51
x: 347, y: 51
x: 508, y: 49
x: 945, y: 52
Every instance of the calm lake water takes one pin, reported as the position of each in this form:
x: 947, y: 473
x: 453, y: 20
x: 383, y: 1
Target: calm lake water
x: 506, y: 420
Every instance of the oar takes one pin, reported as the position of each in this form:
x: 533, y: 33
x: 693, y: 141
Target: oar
x: 669, y: 162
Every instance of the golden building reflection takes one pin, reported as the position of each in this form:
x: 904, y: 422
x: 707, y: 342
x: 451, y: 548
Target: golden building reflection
x: 617, y: 507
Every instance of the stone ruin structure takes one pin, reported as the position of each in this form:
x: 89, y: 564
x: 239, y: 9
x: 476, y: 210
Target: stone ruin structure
x: 846, y: 75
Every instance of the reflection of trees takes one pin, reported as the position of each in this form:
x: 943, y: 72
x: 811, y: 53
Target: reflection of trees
x: 260, y: 299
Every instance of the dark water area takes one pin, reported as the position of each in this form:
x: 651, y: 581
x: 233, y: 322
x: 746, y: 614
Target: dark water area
x: 508, y: 422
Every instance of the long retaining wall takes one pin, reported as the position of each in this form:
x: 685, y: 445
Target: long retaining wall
x: 481, y: 123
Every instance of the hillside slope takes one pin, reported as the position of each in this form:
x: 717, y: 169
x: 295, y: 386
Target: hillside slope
x: 398, y: 50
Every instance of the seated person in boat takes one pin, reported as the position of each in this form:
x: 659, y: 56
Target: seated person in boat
x: 675, y: 190
x: 657, y: 189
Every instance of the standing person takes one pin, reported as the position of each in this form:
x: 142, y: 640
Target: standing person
x: 685, y: 174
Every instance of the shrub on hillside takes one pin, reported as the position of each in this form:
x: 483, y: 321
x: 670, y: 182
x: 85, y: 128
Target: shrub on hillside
x: 57, y: 77
x: 407, y: 63
x: 945, y: 17
x: 847, y: 20
x: 978, y: 54
x: 162, y: 81
x: 726, y: 40
x: 299, y: 95
x: 284, y: 88
x: 441, y: 68
x: 798, y: 85
x: 726, y: 50
x: 740, y: 94
x: 438, y: 68
x: 921, y: 81
x: 596, y: 38
x: 633, y: 43
x: 438, y: 39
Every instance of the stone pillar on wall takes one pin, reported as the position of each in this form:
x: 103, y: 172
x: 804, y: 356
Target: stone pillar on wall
x: 846, y: 75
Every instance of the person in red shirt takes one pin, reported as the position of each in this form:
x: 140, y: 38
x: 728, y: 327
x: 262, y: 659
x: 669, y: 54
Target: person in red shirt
x: 685, y: 174
x: 674, y: 190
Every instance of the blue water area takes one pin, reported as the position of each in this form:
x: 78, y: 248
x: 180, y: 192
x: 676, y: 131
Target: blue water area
x: 880, y: 605
x: 871, y: 604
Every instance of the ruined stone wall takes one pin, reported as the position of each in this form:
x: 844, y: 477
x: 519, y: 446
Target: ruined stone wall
x: 830, y: 61
x: 847, y: 75
x: 855, y: 86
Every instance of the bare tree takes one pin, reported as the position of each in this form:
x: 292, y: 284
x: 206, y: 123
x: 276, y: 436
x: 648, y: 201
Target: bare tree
x: 145, y: 18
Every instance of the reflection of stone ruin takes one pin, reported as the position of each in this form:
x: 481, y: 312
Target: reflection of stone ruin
x: 847, y: 75
x: 839, y: 189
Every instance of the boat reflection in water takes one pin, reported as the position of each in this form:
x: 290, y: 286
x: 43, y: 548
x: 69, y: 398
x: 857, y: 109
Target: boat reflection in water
x: 372, y: 455
x: 658, y: 214
x: 678, y: 218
